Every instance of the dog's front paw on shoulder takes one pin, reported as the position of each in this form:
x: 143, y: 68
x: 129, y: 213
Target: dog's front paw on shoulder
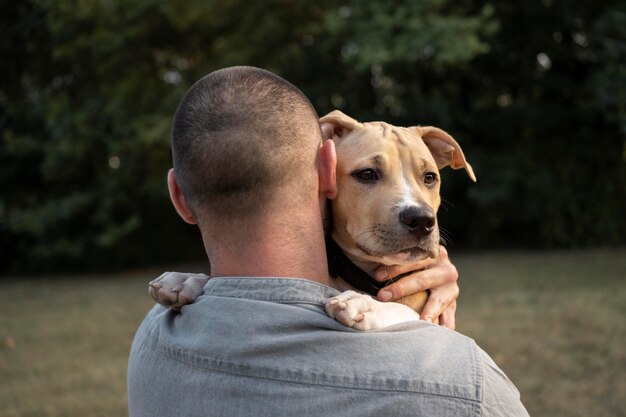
x: 353, y: 309
x: 362, y: 312
x: 175, y: 289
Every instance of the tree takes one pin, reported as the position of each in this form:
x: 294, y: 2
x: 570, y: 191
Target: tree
x: 534, y: 92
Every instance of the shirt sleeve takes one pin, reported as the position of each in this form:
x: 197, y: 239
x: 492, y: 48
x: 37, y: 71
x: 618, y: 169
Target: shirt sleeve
x: 500, y: 397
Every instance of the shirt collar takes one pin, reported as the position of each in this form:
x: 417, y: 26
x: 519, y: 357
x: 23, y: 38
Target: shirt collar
x: 273, y: 289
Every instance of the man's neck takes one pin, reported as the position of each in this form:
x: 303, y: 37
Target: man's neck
x: 272, y: 251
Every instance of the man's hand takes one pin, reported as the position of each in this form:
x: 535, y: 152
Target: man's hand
x: 437, y: 275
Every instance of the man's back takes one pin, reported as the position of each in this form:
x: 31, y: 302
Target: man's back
x: 257, y: 347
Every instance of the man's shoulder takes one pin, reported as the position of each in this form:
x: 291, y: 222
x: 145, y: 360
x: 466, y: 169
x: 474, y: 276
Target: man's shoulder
x: 272, y: 307
x: 294, y: 341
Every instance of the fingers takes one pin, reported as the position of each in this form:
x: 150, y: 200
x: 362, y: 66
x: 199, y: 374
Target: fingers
x: 441, y: 301
x: 387, y: 272
x: 439, y: 276
x: 448, y: 318
x: 436, y: 276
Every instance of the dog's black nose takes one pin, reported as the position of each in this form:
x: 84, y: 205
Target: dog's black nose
x: 418, y: 219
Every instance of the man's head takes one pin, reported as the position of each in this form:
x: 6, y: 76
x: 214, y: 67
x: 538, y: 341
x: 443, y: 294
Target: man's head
x: 244, y: 144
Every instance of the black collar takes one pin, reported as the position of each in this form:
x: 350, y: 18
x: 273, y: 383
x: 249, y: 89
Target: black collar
x: 340, y: 266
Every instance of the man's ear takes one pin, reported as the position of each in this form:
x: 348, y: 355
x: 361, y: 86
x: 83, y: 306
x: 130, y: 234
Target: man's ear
x: 326, y: 169
x: 445, y: 150
x: 178, y: 199
x: 336, y: 125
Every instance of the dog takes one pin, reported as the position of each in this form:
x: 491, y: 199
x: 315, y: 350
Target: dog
x: 385, y: 213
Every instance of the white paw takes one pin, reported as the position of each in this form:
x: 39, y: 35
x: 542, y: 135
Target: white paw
x: 362, y: 312
x: 175, y: 289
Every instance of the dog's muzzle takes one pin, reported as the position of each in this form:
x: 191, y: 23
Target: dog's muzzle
x: 418, y: 220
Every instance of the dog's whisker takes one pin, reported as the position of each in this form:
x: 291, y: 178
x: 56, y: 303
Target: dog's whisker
x: 445, y: 204
x: 444, y: 201
x: 369, y: 230
x: 444, y: 237
x: 371, y: 238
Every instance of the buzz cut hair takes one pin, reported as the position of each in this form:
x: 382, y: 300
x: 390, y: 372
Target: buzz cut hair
x: 242, y: 137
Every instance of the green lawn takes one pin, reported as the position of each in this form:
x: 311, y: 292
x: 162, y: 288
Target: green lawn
x: 555, y: 322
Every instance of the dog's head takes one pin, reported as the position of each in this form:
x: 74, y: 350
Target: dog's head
x: 388, y: 187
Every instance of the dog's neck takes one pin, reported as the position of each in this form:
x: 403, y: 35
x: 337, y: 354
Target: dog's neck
x: 352, y: 273
x: 368, y: 267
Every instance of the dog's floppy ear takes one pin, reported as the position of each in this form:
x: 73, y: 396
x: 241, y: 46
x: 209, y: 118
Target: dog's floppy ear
x: 337, y: 124
x: 444, y: 149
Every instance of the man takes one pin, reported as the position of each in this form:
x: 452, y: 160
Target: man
x: 251, y: 170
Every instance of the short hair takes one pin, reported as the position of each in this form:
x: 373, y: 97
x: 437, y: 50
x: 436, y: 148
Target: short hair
x: 239, y: 135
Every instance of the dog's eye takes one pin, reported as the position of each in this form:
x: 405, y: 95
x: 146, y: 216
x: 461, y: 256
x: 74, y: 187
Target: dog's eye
x: 366, y: 175
x: 430, y: 178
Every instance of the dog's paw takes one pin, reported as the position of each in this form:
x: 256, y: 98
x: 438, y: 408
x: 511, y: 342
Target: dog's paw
x: 175, y: 289
x: 362, y: 312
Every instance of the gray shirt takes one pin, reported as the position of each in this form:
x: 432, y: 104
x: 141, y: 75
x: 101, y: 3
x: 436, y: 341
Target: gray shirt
x: 265, y: 347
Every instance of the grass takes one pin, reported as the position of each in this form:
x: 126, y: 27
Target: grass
x: 64, y: 344
x: 555, y: 322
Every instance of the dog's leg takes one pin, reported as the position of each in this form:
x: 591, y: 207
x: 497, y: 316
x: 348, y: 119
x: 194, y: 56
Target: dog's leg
x: 362, y: 312
x: 174, y: 289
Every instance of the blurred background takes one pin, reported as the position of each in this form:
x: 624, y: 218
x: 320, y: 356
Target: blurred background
x: 534, y: 91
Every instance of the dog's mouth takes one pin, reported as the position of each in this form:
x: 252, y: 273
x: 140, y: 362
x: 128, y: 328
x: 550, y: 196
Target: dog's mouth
x: 414, y: 252
x: 391, y: 245
x: 411, y: 254
x: 397, y: 256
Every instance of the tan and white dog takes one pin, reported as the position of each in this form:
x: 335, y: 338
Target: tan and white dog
x: 385, y: 210
x: 384, y: 214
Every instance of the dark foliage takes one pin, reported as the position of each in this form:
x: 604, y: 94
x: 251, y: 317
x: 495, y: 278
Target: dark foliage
x: 534, y: 91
